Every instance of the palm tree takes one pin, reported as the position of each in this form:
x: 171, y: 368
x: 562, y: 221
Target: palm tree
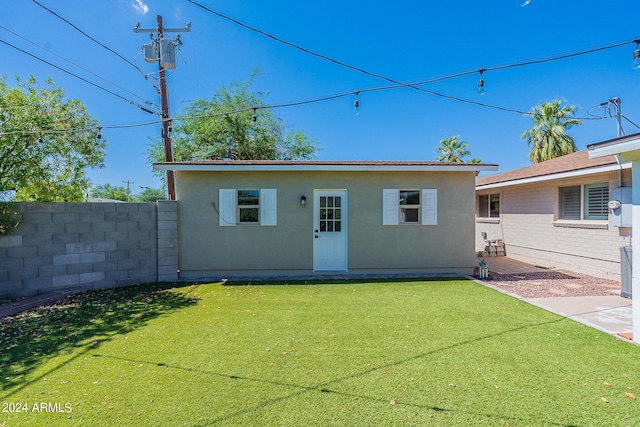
x: 452, y: 150
x: 547, y: 136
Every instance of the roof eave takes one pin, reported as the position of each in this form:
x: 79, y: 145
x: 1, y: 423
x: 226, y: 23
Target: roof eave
x: 569, y: 174
x: 204, y: 167
x: 626, y: 147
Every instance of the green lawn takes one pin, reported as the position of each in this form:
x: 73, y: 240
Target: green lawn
x: 441, y: 353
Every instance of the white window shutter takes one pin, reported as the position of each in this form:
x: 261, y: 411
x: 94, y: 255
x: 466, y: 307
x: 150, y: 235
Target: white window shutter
x: 390, y: 201
x: 429, y: 204
x: 227, y: 207
x: 268, y: 206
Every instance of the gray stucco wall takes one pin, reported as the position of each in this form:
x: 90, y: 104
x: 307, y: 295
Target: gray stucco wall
x: 88, y: 245
x: 209, y: 250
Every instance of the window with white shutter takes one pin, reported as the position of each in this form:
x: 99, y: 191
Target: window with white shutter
x: 410, y: 206
x: 239, y: 207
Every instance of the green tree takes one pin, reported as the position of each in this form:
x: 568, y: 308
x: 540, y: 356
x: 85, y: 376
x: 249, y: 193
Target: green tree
x: 46, y: 142
x: 111, y: 192
x: 9, y: 217
x: 547, y: 136
x: 223, y: 128
x: 150, y: 195
x: 452, y: 150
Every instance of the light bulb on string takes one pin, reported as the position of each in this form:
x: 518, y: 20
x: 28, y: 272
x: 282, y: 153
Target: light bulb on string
x: 99, y: 132
x: 636, y: 55
x: 254, y: 117
x: 481, y: 89
x: 356, y: 105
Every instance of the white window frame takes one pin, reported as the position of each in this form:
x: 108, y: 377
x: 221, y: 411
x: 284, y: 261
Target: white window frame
x: 428, y: 207
x: 240, y: 207
x: 229, y: 211
x: 402, y: 209
x: 583, y: 203
x: 489, y: 213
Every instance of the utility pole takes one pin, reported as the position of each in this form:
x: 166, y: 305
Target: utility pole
x: 164, y: 55
x: 128, y: 185
x: 617, y: 103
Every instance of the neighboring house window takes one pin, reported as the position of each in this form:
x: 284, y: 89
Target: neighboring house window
x: 489, y: 206
x: 596, y: 201
x: 410, y: 206
x: 238, y: 207
x: 584, y: 202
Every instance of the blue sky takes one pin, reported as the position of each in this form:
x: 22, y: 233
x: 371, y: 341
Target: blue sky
x: 404, y: 40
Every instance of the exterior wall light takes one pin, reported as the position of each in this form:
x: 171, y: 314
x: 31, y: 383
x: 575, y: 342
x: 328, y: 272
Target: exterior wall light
x: 303, y: 201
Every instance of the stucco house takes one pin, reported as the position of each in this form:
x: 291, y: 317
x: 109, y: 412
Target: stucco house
x: 300, y: 218
x: 556, y: 213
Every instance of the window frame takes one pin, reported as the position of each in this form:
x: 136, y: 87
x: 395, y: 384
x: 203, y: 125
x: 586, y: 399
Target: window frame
x: 488, y: 212
x: 228, y: 208
x: 240, y: 207
x: 428, y: 210
x: 602, y: 205
x: 583, y: 204
x: 402, y: 208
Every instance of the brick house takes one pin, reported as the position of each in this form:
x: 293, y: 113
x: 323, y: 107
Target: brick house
x: 555, y: 213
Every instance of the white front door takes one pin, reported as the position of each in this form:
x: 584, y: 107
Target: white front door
x: 330, y: 230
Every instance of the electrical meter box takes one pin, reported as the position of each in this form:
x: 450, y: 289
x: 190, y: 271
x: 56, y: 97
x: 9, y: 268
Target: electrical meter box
x: 621, y: 216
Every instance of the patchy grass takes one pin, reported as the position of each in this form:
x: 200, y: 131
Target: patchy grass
x: 441, y: 352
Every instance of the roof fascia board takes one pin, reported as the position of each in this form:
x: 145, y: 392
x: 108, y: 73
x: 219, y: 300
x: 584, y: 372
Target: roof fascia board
x: 613, y: 149
x: 570, y: 174
x: 324, y: 168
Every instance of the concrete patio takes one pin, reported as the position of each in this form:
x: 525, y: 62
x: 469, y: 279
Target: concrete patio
x: 610, y: 314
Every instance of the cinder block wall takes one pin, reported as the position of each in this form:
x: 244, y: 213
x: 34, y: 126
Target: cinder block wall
x: 89, y: 246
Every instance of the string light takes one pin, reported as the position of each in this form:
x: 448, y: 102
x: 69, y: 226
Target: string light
x: 99, y: 132
x: 254, y: 117
x: 481, y: 82
x: 356, y: 105
x: 415, y: 86
x: 636, y: 55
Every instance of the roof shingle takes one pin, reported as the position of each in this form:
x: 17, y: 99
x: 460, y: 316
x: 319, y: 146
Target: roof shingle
x: 567, y: 163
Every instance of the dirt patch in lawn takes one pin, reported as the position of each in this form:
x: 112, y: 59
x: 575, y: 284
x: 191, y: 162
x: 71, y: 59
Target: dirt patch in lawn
x: 554, y: 283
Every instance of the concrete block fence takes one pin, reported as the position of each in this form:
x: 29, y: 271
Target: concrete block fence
x: 89, y: 246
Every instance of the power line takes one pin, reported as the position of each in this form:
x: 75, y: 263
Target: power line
x: 225, y: 113
x: 627, y: 119
x: 89, y: 37
x: 78, y: 130
x: 415, y: 86
x: 76, y: 65
x: 345, y: 65
x: 80, y: 78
